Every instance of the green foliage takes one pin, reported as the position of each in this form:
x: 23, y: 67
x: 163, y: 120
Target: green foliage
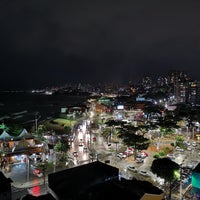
x: 4, y: 127
x: 41, y: 129
x: 44, y: 166
x: 106, y: 132
x: 172, y: 144
x: 161, y: 153
x: 179, y: 141
x: 67, y: 130
x: 14, y: 129
x: 129, y: 136
x: 165, y: 168
x: 62, y: 146
x: 113, y: 123
x: 156, y: 155
x: 167, y: 150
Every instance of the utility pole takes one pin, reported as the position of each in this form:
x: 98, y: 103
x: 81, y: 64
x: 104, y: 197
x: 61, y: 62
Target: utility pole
x: 36, y: 123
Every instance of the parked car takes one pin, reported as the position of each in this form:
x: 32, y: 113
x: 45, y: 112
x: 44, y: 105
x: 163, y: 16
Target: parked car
x: 132, y: 168
x: 75, y: 154
x: 121, y: 155
x: 179, y: 149
x: 139, y: 160
x: 194, y: 144
x: 85, y: 149
x: 129, y: 151
x: 93, y: 156
x: 141, y: 155
x: 80, y: 144
x: 171, y: 156
x: 189, y: 149
x: 144, y: 173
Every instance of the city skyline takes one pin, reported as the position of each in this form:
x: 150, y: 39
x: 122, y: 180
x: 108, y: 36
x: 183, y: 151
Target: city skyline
x: 44, y: 44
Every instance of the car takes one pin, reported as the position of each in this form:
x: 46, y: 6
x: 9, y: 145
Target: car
x: 37, y: 172
x: 85, y: 149
x: 144, y: 173
x: 132, y: 168
x: 194, y: 144
x: 171, y: 156
x: 80, y: 144
x: 179, y: 149
x: 75, y: 154
x: 128, y: 151
x: 139, y: 160
x: 121, y: 155
x: 71, y: 138
x: 141, y: 155
x: 93, y: 156
x: 189, y: 149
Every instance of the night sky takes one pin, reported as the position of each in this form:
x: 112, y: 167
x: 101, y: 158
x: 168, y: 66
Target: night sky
x: 48, y: 42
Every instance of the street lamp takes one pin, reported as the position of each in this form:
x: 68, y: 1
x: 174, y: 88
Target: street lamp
x: 181, y: 188
x: 37, y: 117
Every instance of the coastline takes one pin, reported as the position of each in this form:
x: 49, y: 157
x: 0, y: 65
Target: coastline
x: 23, y: 108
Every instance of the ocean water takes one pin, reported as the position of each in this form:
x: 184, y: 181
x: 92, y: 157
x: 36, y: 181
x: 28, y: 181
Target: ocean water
x: 23, y: 106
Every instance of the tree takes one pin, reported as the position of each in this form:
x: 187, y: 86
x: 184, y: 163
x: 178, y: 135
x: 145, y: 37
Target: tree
x: 167, y: 124
x: 153, y: 110
x: 62, y: 146
x: 130, y: 137
x: 112, y: 124
x: 165, y: 168
x: 67, y: 130
x: 41, y: 129
x: 14, y: 129
x: 44, y: 166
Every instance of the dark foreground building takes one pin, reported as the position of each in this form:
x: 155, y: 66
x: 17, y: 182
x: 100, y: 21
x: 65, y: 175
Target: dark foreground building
x: 98, y: 181
x: 5, y: 187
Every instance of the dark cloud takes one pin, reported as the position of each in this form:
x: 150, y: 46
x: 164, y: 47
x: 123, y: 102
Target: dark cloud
x: 47, y: 42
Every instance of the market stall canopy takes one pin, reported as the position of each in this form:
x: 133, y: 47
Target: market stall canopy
x: 5, y: 136
x: 24, y: 134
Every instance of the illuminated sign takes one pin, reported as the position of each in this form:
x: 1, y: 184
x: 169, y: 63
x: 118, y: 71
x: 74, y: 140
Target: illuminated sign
x: 120, y: 107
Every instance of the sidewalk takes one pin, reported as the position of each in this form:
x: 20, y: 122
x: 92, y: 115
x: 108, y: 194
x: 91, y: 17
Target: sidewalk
x: 29, y: 184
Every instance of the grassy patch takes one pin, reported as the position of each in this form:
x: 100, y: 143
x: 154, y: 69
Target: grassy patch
x: 59, y: 125
x: 64, y: 122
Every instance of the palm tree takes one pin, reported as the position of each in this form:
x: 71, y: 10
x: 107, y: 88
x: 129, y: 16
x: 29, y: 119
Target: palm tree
x: 112, y: 124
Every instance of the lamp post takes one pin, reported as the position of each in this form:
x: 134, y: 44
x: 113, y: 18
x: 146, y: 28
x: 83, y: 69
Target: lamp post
x: 181, y: 188
x: 181, y: 182
x: 54, y: 161
x: 37, y: 117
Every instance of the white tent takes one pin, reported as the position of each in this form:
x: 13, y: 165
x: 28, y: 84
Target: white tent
x: 24, y: 134
x: 5, y: 136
